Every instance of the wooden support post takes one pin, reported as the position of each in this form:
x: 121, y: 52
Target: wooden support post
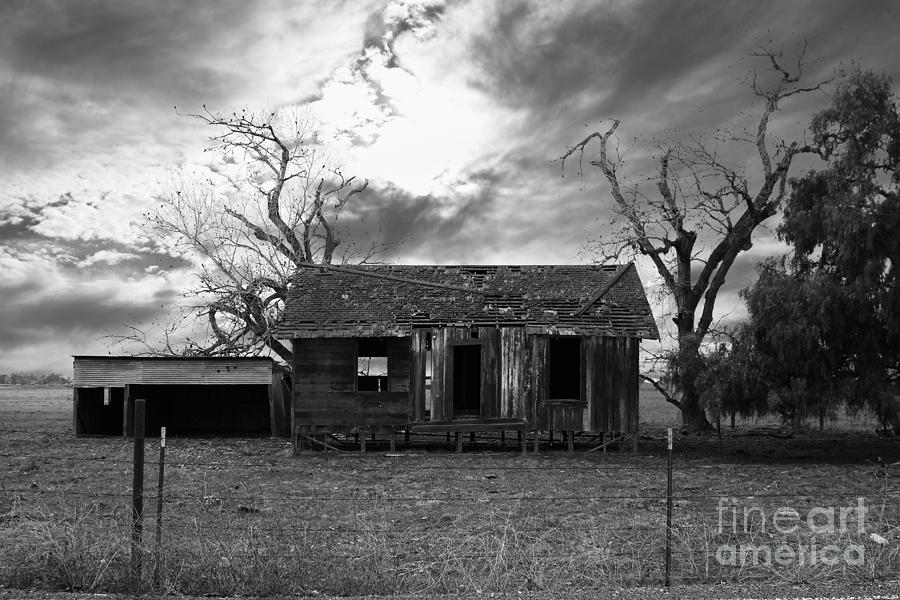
x: 127, y: 417
x: 362, y: 442
x: 536, y: 440
x: 471, y: 437
x: 448, y: 437
x: 458, y: 443
x: 406, y: 435
x: 75, y: 428
x: 550, y: 440
x: 393, y: 441
x: 503, y: 439
x: 571, y: 440
x: 523, y: 440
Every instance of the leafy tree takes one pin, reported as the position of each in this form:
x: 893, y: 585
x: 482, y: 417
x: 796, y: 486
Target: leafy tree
x: 702, y: 214
x: 833, y: 318
x: 732, y: 378
x: 794, y: 323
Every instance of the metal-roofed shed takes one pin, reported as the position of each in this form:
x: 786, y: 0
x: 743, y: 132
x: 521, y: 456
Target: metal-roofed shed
x: 187, y: 395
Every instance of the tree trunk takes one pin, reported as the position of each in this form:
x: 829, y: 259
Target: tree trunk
x: 693, y: 417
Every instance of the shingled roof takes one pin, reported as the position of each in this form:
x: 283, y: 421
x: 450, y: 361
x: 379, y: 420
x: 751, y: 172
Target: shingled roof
x: 376, y: 300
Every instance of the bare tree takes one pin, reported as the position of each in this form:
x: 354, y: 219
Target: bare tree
x: 700, y: 197
x: 273, y: 206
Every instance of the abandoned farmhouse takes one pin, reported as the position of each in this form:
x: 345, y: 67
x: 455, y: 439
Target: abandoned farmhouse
x: 380, y: 349
x: 467, y: 348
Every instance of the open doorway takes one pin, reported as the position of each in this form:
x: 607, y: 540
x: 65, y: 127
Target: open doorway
x: 466, y: 380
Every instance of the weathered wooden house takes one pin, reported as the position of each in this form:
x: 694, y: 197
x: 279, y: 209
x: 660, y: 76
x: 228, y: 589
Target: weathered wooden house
x: 188, y: 396
x: 466, y: 348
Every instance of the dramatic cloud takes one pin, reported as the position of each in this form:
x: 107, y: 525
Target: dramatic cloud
x: 455, y: 112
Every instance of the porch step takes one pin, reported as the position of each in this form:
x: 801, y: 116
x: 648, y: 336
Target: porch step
x: 468, y: 425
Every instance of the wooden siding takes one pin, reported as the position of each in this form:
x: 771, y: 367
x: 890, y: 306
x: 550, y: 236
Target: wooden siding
x: 535, y: 413
x: 615, y: 403
x: 325, y: 393
x: 490, y: 372
x: 398, y: 364
x: 514, y: 378
x: 101, y: 372
x: 418, y: 356
x: 353, y: 409
x: 514, y: 384
x: 608, y: 387
x: 324, y: 365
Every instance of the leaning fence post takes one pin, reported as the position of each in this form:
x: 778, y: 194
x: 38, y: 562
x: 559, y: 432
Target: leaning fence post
x: 137, y: 491
x: 668, y: 506
x: 159, y: 500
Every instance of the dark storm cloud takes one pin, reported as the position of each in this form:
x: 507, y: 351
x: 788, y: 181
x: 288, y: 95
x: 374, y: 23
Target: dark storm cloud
x: 423, y: 226
x: 69, y: 70
x: 67, y: 315
x: 674, y: 64
x: 133, y: 46
x: 604, y: 50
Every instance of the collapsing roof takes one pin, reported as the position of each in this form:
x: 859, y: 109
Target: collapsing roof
x: 375, y: 300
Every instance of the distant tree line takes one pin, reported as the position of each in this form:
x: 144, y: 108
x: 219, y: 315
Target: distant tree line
x: 34, y: 379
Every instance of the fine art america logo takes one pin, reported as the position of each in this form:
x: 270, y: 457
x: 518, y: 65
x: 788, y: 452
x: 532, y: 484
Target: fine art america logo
x: 825, y: 522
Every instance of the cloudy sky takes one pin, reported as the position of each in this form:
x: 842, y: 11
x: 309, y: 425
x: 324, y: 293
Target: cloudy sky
x: 453, y: 110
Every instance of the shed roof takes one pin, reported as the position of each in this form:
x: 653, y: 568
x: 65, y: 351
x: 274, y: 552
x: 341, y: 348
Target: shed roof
x: 375, y: 300
x: 132, y: 357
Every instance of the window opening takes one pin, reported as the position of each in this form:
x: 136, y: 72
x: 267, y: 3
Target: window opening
x: 372, y: 365
x: 565, y: 368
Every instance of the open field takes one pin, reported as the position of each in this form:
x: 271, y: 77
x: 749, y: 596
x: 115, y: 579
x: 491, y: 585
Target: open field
x: 242, y: 516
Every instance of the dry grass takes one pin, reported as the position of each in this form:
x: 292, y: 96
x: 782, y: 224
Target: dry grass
x: 243, y: 517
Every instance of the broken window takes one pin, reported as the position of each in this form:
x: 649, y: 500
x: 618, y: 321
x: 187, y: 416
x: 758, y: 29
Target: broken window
x: 372, y: 365
x: 564, y: 356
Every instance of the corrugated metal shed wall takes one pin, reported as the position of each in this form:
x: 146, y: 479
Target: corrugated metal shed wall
x: 103, y: 372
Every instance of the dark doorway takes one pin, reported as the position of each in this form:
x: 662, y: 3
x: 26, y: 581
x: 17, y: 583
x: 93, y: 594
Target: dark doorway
x: 206, y: 410
x: 565, y: 368
x: 466, y: 380
x: 99, y: 413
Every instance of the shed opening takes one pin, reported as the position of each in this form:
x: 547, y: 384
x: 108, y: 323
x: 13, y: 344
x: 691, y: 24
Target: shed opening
x: 206, y: 409
x: 99, y: 411
x: 564, y: 355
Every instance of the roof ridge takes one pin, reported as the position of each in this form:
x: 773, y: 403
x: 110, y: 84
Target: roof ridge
x: 615, y: 278
x: 345, y: 270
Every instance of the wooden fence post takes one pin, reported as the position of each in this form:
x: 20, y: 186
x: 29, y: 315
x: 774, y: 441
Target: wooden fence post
x: 159, y: 500
x: 137, y: 491
x: 668, y: 507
